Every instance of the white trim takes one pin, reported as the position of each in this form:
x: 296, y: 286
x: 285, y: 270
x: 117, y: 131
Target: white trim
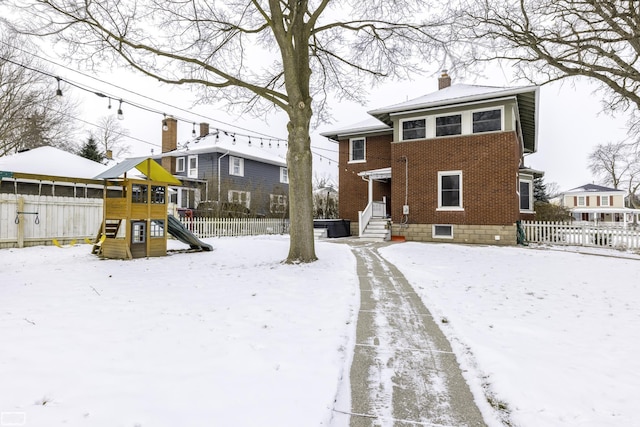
x: 499, y: 107
x: 460, y: 206
x: 364, y: 150
x: 413, y: 119
x: 435, y: 124
x: 528, y: 180
x: 192, y: 172
x: 284, y: 175
x: 435, y: 236
x: 232, y: 160
x: 180, y: 163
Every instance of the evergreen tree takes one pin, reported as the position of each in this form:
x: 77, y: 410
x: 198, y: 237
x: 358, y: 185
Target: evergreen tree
x: 90, y: 151
x: 540, y: 190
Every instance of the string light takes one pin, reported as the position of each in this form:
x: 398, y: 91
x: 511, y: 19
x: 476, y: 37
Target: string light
x: 193, y: 132
x: 120, y: 115
x: 59, y: 91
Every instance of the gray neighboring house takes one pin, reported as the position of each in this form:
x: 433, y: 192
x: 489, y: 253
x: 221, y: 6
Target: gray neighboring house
x: 224, y: 174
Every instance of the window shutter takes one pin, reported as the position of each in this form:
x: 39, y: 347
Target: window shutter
x: 587, y: 200
x: 610, y: 200
x: 598, y: 201
x: 575, y: 200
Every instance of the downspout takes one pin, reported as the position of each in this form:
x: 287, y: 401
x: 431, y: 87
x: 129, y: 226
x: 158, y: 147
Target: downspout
x: 220, y: 158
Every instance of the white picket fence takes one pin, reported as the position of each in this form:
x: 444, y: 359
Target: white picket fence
x: 31, y: 220
x: 558, y: 233
x: 218, y: 227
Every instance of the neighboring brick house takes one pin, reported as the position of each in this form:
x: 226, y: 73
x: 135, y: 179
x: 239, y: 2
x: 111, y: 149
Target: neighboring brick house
x: 231, y: 174
x: 598, y: 204
x: 448, y: 166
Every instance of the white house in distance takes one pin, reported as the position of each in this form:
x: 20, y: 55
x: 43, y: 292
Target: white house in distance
x: 597, y: 204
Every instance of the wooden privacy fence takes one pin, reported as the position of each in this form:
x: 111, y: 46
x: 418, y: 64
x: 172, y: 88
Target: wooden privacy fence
x: 558, y: 233
x: 218, y: 227
x: 31, y: 220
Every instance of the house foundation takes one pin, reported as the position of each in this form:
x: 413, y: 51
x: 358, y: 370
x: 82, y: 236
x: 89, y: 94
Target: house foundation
x: 461, y: 233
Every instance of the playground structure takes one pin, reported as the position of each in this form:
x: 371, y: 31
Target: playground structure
x: 135, y: 220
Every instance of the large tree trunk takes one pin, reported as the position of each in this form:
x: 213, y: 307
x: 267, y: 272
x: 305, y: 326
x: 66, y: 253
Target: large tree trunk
x: 299, y: 160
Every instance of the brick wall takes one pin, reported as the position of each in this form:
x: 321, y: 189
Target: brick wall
x: 353, y: 189
x: 489, y: 164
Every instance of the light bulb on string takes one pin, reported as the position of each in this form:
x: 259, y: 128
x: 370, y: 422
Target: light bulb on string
x: 249, y: 141
x: 261, y: 143
x: 217, y: 135
x: 165, y: 127
x: 109, y: 106
x: 59, y: 91
x: 269, y: 143
x: 120, y: 115
x: 193, y: 131
x: 234, y: 139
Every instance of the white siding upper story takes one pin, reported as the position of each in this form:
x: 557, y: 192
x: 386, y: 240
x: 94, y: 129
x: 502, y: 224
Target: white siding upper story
x: 593, y: 196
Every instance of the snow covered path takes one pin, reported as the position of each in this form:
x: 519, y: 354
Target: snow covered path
x: 404, y: 371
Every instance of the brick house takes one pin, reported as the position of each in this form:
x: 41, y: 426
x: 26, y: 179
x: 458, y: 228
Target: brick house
x: 447, y: 166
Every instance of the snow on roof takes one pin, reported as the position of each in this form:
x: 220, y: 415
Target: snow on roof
x: 592, y: 188
x: 222, y: 142
x: 454, y: 94
x: 366, y: 126
x: 51, y: 161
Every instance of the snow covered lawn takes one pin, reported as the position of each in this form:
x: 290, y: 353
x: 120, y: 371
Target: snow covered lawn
x: 224, y: 338
x: 556, y: 334
x: 234, y: 338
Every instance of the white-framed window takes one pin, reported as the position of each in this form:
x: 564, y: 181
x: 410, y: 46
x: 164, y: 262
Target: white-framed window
x: 157, y: 228
x: 357, y: 150
x: 180, y: 161
x: 278, y: 203
x: 284, y: 175
x: 526, y: 195
x: 193, y: 167
x: 413, y: 129
x: 236, y: 166
x: 450, y: 190
x: 604, y: 200
x: 449, y: 125
x: 240, y: 197
x: 440, y: 231
x: 582, y: 201
x: 487, y: 120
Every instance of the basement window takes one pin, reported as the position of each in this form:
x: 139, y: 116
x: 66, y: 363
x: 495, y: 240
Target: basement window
x: 442, y: 231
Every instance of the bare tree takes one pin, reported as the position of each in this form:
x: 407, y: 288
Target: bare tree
x: 618, y: 164
x: 110, y: 136
x: 550, y: 40
x: 31, y: 116
x: 257, y: 55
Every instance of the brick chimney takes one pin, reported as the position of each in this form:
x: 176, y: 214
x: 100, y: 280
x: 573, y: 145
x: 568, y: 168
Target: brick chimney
x: 444, y: 80
x: 169, y: 143
x: 204, y: 129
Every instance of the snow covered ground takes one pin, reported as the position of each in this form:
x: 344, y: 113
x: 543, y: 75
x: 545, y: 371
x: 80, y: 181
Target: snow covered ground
x: 235, y: 338
x: 224, y: 338
x: 554, y: 334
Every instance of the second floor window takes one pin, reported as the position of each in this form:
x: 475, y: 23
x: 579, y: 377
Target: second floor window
x: 449, y: 125
x: 193, y: 167
x: 604, y: 200
x: 487, y: 121
x: 414, y: 129
x: 236, y: 166
x: 180, y: 164
x: 284, y: 175
x: 357, y: 150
